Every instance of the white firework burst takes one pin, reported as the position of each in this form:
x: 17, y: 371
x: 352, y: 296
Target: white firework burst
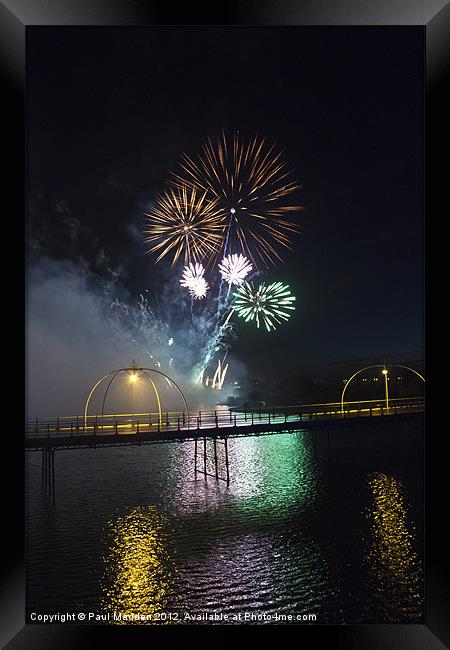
x: 199, y: 289
x: 193, y: 280
x: 234, y: 269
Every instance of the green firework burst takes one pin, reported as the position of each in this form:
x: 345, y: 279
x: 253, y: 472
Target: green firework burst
x: 269, y: 304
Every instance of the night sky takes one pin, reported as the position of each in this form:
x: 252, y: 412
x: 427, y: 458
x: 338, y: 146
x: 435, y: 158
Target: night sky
x: 111, y: 110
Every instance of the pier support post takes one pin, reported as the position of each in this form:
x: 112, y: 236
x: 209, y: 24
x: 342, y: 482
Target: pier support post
x: 204, y: 456
x: 53, y: 474
x: 215, y: 459
x: 195, y: 458
x: 43, y: 469
x: 226, y: 459
x: 48, y: 473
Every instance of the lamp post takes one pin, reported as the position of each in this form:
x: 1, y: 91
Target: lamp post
x: 385, y: 373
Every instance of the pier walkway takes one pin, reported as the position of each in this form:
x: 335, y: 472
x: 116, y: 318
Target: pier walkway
x: 147, y: 428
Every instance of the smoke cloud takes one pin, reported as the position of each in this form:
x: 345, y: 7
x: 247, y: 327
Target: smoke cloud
x: 79, y: 328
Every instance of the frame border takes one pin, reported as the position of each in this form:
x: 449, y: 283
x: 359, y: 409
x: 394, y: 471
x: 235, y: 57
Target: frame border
x: 434, y: 16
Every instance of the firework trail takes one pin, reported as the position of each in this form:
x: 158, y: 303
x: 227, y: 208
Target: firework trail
x: 144, y: 328
x: 228, y: 317
x: 233, y: 270
x: 219, y: 375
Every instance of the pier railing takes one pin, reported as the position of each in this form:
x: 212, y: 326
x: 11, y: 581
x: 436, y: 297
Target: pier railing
x: 129, y: 423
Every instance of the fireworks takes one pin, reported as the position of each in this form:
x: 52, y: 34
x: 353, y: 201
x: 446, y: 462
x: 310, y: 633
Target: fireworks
x: 185, y: 222
x: 267, y: 304
x: 219, y: 375
x: 200, y: 376
x: 234, y: 269
x: 193, y: 280
x: 248, y: 182
x: 229, y: 209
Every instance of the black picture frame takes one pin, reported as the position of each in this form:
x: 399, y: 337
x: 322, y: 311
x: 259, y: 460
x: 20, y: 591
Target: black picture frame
x: 15, y: 18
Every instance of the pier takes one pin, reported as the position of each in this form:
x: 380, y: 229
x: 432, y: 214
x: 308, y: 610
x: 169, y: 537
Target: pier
x: 216, y: 427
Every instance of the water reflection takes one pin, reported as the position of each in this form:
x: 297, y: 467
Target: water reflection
x: 139, y: 572
x: 394, y: 566
x: 249, y: 545
x: 271, y: 477
x: 286, y: 535
x: 275, y: 478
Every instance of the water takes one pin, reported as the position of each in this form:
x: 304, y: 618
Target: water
x: 301, y: 530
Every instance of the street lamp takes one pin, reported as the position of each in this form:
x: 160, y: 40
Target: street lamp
x: 385, y: 373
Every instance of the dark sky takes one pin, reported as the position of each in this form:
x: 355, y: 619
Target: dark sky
x: 110, y: 110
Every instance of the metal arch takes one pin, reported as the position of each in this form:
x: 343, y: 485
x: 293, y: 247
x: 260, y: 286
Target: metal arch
x: 412, y: 370
x: 172, y: 381
x: 91, y: 393
x: 377, y: 365
x: 157, y: 395
x: 116, y: 372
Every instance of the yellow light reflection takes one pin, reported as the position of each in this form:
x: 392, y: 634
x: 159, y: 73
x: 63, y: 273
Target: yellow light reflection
x: 394, y: 563
x: 139, y: 571
x: 133, y: 377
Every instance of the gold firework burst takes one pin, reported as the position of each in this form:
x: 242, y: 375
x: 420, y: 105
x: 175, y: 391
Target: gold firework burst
x: 251, y: 185
x: 184, y: 221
